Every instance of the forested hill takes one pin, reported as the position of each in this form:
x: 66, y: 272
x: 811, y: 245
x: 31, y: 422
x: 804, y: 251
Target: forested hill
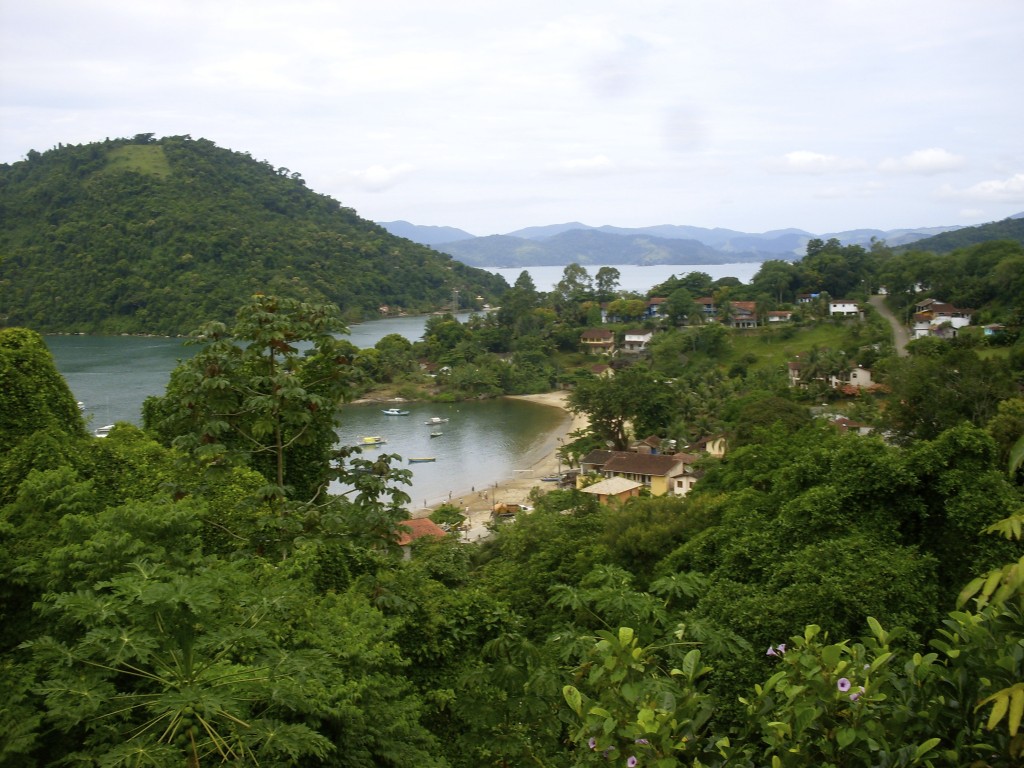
x: 1007, y: 229
x: 149, y: 235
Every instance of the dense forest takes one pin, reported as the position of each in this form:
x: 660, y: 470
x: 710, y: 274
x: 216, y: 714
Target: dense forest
x: 189, y: 593
x: 148, y: 235
x: 1007, y: 229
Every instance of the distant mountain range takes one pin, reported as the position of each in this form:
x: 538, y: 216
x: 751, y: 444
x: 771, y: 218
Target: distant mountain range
x: 574, y: 242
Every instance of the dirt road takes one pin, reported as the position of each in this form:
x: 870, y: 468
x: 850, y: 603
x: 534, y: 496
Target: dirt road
x: 900, y: 334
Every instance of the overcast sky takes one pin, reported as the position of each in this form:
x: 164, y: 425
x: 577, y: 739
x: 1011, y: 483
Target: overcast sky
x: 755, y: 115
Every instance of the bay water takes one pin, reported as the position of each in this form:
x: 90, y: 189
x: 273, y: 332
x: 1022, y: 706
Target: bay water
x: 484, y: 442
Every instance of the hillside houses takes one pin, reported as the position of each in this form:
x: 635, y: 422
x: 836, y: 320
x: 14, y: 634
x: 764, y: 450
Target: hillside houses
x: 937, y: 318
x: 843, y: 308
x: 636, y: 340
x: 737, y: 314
x: 598, y: 341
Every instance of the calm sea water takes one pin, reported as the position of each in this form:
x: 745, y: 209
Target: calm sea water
x: 482, y: 443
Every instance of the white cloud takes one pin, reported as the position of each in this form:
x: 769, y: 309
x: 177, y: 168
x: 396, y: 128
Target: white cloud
x: 1009, y: 190
x: 802, y: 161
x: 585, y: 165
x: 378, y: 178
x: 924, y: 161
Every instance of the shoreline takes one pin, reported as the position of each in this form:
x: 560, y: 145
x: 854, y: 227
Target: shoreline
x: 515, y: 488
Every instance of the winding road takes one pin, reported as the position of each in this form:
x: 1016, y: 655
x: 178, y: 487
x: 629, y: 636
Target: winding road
x: 900, y: 334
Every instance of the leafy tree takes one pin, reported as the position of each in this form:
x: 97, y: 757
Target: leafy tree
x: 250, y: 397
x: 606, y: 283
x: 681, y: 307
x: 33, y: 396
x: 632, y: 395
x: 945, y: 386
x: 777, y: 278
x: 576, y: 285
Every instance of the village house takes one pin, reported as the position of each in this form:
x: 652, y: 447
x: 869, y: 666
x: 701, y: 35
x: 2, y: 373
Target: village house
x: 707, y: 307
x: 779, y: 316
x: 613, y: 489
x: 937, y: 318
x: 857, y: 378
x: 653, y: 444
x: 793, y: 371
x: 743, y: 314
x: 683, y: 484
x: 414, y: 529
x: 655, y: 307
x: 636, y: 341
x: 598, y: 341
x: 654, y: 471
x: 844, y: 424
x: 712, y: 445
x: 843, y: 307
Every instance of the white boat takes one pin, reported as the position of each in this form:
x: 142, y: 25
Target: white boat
x: 395, y: 412
x: 436, y: 434
x: 372, y: 440
x: 436, y: 420
x: 103, y: 431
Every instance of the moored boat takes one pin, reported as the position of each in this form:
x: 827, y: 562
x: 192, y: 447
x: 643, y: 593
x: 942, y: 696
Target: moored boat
x: 103, y: 431
x: 436, y: 420
x: 372, y: 440
x: 421, y: 459
x: 395, y: 412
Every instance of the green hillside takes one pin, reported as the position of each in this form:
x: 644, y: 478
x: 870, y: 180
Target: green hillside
x: 1007, y: 229
x: 151, y: 235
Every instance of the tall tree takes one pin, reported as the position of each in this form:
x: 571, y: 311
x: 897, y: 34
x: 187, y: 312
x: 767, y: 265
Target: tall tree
x: 252, y: 396
x: 606, y: 283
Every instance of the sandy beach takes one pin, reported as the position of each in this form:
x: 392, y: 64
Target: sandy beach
x: 516, y: 487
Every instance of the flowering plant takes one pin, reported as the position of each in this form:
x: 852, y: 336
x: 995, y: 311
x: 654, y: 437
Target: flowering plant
x: 630, y: 711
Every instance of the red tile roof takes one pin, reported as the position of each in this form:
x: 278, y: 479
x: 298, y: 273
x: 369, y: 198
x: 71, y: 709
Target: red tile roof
x: 418, y: 528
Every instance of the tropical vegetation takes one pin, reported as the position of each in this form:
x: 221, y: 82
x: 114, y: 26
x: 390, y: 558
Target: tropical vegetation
x: 191, y: 593
x: 147, y: 235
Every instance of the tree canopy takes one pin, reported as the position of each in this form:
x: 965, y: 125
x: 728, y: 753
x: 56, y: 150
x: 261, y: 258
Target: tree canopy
x: 152, y: 235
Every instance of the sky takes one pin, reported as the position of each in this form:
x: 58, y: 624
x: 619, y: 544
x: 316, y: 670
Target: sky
x: 491, y: 116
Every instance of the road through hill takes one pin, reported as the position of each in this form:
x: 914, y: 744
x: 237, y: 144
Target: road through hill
x: 900, y: 334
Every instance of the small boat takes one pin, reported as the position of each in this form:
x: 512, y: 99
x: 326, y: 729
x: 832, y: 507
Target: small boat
x: 372, y: 440
x: 421, y: 459
x: 552, y: 479
x: 103, y: 431
x: 394, y: 412
x: 436, y: 420
x: 436, y: 434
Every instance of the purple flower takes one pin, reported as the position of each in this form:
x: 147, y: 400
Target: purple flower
x: 857, y: 694
x: 592, y: 743
x: 631, y: 762
x: 781, y: 648
x: 843, y: 684
x: 771, y: 651
x: 641, y: 741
